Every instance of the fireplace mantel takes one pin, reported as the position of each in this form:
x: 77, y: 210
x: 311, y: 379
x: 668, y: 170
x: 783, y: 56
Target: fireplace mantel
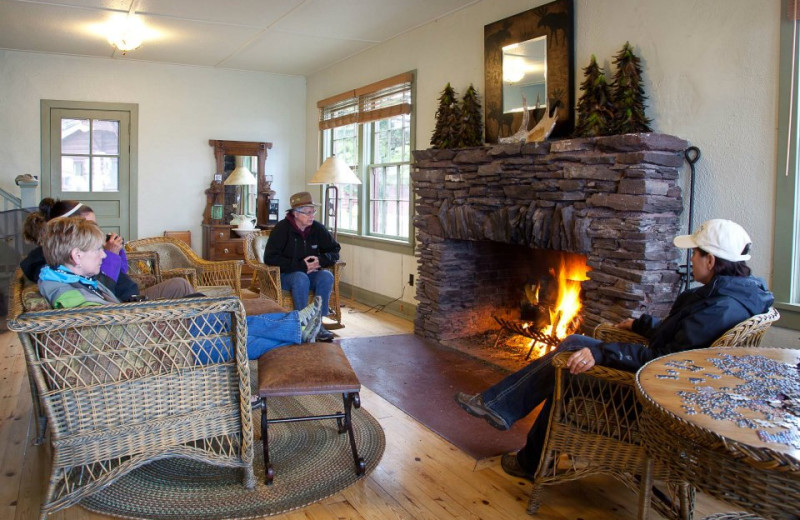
x: 614, y: 199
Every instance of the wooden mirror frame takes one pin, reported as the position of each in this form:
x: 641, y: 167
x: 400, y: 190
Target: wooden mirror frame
x: 556, y: 20
x: 246, y: 148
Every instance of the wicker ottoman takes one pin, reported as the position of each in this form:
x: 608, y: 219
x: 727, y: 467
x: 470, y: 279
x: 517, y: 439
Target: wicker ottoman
x: 310, y: 368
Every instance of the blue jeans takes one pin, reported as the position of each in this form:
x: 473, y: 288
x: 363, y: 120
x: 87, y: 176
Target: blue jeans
x: 268, y: 331
x: 520, y: 393
x: 264, y: 332
x: 300, y: 284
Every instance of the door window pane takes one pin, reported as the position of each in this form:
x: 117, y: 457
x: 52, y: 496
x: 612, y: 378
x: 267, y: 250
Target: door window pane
x: 105, y: 174
x: 105, y: 137
x: 74, y: 136
x: 74, y: 173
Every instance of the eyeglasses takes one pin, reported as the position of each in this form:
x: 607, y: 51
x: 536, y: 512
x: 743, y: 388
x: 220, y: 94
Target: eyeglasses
x: 307, y: 212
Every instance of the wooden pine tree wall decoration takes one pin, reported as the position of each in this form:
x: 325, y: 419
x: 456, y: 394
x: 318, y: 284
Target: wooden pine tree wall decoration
x: 595, y: 111
x: 628, y: 94
x: 471, y: 118
x: 447, y: 133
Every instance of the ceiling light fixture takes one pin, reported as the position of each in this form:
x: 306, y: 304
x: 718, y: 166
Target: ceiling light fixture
x: 126, y: 32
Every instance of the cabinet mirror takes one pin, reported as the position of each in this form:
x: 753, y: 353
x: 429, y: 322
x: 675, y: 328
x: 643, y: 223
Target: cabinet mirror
x: 225, y: 201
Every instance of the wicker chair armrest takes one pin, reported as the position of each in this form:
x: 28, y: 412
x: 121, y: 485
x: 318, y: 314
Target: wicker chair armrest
x: 268, y: 281
x: 611, y: 375
x: 189, y: 273
x: 610, y: 334
x: 143, y: 268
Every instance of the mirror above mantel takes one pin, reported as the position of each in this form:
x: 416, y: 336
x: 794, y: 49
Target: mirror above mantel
x: 530, y: 54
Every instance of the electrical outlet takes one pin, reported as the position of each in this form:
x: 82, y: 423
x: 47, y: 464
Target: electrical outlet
x: 411, y: 280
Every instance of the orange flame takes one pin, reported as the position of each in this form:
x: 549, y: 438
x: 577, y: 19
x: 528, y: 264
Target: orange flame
x: 568, y: 305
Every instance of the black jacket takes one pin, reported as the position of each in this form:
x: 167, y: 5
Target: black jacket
x: 123, y: 287
x: 698, y: 317
x: 287, y: 248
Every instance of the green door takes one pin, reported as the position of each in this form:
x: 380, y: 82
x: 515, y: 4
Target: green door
x: 90, y: 161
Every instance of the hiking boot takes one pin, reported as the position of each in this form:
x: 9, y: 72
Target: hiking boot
x: 325, y: 335
x: 510, y: 464
x: 310, y: 320
x: 474, y: 405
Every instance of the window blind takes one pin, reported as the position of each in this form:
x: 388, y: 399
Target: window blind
x: 379, y: 100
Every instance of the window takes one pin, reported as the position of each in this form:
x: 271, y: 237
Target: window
x: 786, y: 257
x: 370, y: 128
x: 90, y: 155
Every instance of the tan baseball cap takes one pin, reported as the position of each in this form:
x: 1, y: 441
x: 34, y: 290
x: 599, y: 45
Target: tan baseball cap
x: 300, y: 199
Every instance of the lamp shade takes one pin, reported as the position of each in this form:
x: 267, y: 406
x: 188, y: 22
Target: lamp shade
x: 334, y: 171
x: 240, y: 176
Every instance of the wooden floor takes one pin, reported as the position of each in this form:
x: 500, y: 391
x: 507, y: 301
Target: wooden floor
x: 421, y: 476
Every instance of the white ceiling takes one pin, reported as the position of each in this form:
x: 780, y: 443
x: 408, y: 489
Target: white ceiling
x: 280, y: 36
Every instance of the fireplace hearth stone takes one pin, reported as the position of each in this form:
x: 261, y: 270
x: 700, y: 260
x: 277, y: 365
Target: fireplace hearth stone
x: 614, y: 199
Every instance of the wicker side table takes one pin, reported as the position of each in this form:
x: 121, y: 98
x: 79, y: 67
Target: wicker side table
x: 727, y: 420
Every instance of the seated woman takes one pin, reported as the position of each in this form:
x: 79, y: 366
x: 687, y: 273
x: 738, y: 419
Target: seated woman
x: 301, y: 247
x: 700, y: 315
x: 73, y: 250
x: 114, y: 269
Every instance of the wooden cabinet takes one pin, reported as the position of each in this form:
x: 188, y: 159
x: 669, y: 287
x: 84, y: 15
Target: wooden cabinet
x: 220, y: 242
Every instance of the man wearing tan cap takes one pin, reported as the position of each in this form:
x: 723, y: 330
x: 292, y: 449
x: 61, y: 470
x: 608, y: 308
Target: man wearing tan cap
x: 302, y: 247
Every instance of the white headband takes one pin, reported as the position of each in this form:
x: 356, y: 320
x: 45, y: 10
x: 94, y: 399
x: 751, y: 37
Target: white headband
x: 70, y: 212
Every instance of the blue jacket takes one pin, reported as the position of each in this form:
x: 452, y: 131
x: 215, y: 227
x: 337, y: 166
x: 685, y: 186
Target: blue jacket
x: 698, y: 317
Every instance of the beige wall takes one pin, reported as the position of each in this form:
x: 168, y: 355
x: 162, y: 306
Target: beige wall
x: 710, y: 67
x: 180, y: 109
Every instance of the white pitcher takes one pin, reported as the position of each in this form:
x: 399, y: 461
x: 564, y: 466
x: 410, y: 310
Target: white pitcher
x: 243, y: 222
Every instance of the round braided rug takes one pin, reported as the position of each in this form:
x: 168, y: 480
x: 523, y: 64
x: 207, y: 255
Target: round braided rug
x: 311, y: 461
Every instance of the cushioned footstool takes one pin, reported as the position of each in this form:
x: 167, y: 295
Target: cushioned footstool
x: 310, y: 368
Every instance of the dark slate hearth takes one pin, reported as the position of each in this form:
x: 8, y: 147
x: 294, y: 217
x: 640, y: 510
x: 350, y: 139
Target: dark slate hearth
x: 613, y: 199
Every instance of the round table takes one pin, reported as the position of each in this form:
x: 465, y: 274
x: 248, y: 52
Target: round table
x: 727, y: 420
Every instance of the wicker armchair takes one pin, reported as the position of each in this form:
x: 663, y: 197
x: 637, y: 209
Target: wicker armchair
x: 594, y: 420
x: 123, y: 385
x: 178, y: 259
x: 267, y: 278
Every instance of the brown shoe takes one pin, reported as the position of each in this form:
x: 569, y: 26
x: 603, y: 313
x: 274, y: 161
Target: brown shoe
x: 474, y: 405
x: 510, y: 464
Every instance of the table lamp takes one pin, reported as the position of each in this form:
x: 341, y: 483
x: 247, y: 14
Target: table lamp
x: 332, y: 172
x: 242, y: 179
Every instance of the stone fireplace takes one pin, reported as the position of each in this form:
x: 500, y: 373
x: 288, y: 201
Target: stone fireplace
x: 481, y: 211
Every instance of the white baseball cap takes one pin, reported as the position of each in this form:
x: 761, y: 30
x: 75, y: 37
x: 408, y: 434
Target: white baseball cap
x: 722, y: 238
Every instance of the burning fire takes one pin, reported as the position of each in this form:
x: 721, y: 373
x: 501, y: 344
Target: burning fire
x: 564, y: 309
x: 568, y: 303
